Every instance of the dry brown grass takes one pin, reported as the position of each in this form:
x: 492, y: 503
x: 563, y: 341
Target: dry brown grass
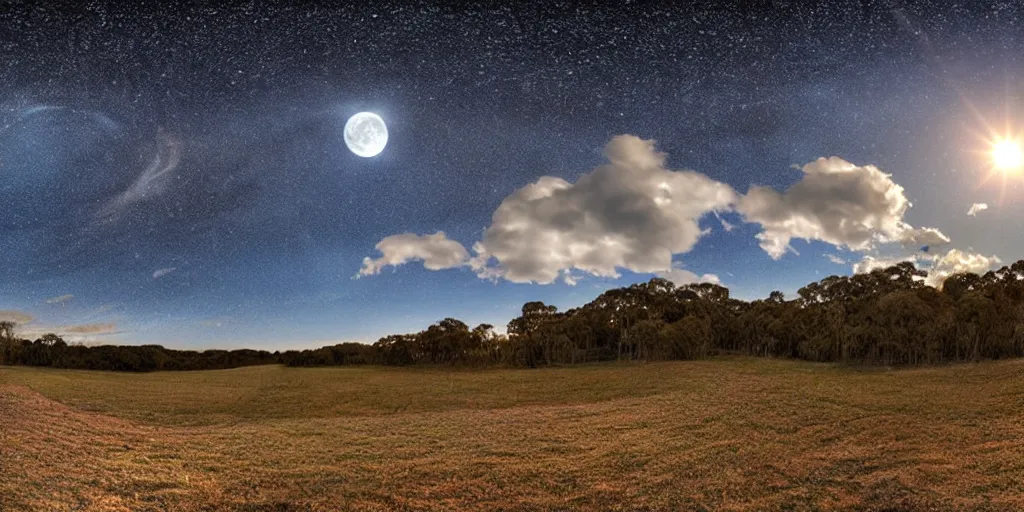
x: 726, y: 434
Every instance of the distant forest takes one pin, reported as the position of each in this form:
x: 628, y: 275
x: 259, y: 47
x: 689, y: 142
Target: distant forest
x: 888, y: 316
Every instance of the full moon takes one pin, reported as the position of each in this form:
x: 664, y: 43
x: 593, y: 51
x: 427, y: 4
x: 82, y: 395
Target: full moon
x: 366, y: 134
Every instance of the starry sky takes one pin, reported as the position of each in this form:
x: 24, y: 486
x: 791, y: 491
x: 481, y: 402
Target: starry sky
x: 179, y: 176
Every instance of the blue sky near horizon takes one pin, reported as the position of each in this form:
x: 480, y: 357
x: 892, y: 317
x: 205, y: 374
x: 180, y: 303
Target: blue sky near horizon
x: 192, y: 187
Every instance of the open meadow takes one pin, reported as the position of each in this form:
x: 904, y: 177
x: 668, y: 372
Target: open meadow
x: 721, y: 434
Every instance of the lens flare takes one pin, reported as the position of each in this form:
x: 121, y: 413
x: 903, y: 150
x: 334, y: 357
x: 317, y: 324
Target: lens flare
x: 1001, y: 154
x: 1007, y: 155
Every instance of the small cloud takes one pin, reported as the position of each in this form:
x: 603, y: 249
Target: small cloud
x: 681, y: 276
x: 16, y: 317
x: 570, y: 279
x: 60, y: 300
x: 436, y: 251
x: 725, y: 225
x: 975, y: 208
x: 869, y: 263
x: 163, y: 272
x: 835, y: 259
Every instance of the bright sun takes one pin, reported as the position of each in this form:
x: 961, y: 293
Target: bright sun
x: 1007, y: 155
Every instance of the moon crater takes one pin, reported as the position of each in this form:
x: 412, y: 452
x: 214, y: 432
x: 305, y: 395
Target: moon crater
x: 366, y: 134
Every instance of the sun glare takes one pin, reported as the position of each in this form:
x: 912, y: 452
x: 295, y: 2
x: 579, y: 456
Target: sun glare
x: 1004, y: 151
x: 1007, y: 155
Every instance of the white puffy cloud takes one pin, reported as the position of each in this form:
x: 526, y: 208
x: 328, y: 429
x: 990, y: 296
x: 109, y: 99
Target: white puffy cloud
x: 836, y: 202
x: 681, y: 276
x: 975, y: 208
x: 60, y: 300
x: 632, y: 213
x: 635, y: 214
x: 436, y: 251
x: 869, y: 263
x: 955, y: 262
x: 939, y: 267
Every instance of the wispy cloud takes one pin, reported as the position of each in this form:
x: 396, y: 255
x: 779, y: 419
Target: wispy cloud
x: 79, y: 333
x: 725, y: 225
x: 60, y: 300
x: 16, y: 316
x: 835, y: 259
x: 163, y: 272
x: 107, y: 328
x: 216, y: 322
x: 152, y: 181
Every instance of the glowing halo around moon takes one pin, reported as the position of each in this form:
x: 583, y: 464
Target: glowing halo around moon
x: 366, y: 134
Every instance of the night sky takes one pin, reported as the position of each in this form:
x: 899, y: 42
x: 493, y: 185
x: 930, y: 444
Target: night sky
x: 180, y: 176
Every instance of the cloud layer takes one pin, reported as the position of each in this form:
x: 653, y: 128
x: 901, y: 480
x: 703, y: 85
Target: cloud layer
x: 75, y: 333
x: 634, y: 213
x: 17, y: 317
x: 107, y: 328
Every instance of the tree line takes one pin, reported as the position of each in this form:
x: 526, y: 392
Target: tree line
x: 888, y: 316
x: 51, y: 350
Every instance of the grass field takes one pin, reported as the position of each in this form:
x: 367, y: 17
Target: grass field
x: 724, y: 434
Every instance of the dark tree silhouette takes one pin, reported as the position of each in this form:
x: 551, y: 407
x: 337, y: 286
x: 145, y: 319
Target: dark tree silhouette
x: 887, y: 316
